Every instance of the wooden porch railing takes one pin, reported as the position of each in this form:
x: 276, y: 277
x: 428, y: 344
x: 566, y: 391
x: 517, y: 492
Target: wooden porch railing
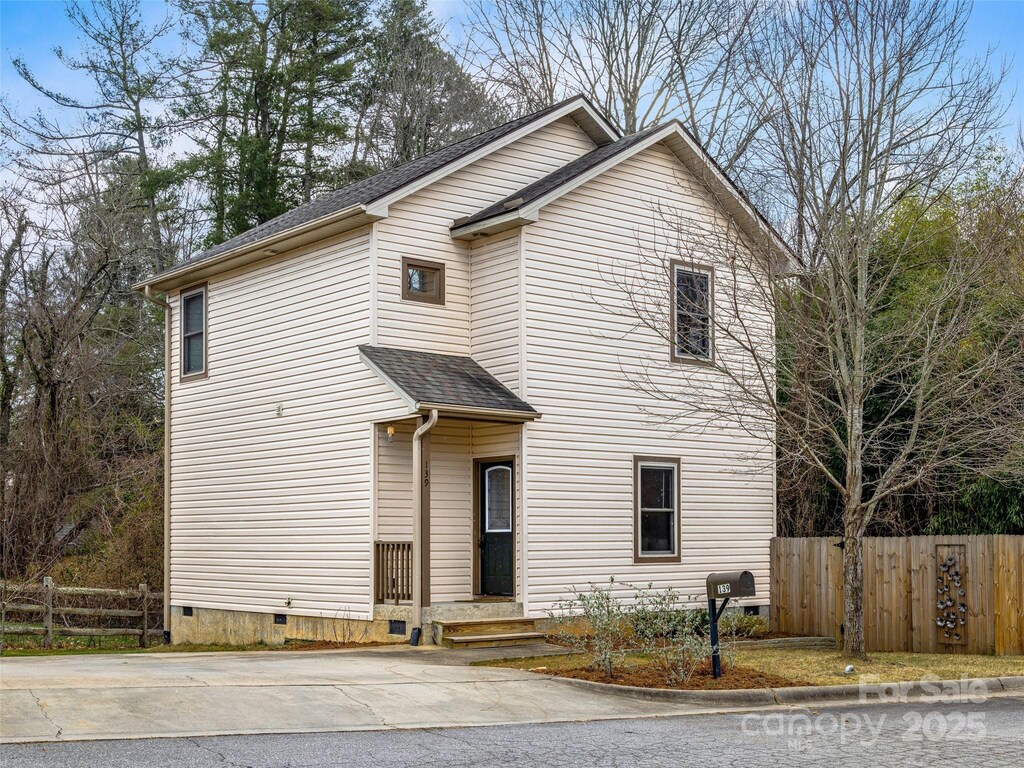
x: 393, y: 577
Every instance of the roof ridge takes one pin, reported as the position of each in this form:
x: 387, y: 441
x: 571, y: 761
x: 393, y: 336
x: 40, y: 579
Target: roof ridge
x: 372, y: 188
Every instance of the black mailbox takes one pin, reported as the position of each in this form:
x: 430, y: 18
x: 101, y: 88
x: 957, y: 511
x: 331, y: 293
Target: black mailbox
x: 730, y: 584
x: 724, y: 586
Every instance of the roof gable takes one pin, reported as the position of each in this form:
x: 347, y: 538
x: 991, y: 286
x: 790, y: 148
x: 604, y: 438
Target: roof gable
x: 524, y: 206
x: 367, y: 200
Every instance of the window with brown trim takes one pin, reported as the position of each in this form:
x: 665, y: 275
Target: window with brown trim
x: 692, y: 307
x: 422, y: 281
x: 193, y: 333
x: 656, y: 509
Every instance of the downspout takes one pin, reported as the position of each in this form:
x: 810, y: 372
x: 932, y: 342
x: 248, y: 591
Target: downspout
x: 417, y: 525
x: 148, y: 292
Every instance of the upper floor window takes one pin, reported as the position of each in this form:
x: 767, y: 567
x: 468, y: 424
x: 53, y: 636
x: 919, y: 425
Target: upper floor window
x: 692, y: 291
x: 193, y: 332
x: 422, y: 281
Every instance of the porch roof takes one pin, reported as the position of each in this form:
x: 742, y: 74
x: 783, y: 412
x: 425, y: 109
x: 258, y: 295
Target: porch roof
x: 449, y: 383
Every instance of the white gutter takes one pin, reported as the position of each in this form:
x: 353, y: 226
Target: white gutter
x: 148, y: 293
x: 502, y: 414
x: 420, y: 484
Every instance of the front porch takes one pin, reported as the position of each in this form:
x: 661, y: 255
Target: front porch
x: 469, y: 522
x: 447, y: 494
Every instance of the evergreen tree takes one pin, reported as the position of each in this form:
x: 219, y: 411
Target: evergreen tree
x: 268, y: 107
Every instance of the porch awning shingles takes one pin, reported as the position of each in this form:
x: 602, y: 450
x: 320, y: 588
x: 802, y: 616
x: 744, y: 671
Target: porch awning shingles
x: 431, y: 380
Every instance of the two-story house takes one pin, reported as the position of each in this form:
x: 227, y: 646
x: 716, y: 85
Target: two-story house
x: 407, y: 403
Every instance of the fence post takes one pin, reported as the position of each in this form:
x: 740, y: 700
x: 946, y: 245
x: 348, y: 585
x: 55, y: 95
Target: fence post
x: 48, y: 611
x: 144, y: 637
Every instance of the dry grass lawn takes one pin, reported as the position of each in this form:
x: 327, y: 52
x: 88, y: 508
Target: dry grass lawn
x: 824, y: 667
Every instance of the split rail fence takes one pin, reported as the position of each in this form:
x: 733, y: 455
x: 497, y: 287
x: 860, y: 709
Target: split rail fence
x: 925, y: 594
x: 47, y: 610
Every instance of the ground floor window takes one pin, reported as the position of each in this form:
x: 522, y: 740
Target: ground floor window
x: 656, y: 509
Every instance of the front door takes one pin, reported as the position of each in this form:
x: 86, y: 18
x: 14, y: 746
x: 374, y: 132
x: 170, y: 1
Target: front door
x: 496, y: 515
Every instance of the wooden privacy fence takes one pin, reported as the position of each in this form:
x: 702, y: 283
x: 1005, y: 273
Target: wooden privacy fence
x: 393, y: 576
x: 926, y: 594
x: 47, y: 610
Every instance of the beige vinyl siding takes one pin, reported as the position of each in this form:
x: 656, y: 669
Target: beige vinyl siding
x: 394, y: 482
x: 494, y: 326
x: 581, y: 357
x: 419, y: 226
x: 270, y: 479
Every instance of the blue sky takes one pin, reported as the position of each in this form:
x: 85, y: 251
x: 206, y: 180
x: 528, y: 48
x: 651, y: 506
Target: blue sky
x: 32, y: 28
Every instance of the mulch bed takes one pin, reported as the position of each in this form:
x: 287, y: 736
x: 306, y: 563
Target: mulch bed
x: 649, y: 676
x: 327, y: 645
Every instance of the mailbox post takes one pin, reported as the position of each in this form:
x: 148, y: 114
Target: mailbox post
x: 724, y: 586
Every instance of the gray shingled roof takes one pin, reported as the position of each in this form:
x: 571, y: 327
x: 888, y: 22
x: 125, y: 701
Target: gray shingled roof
x: 557, y: 178
x: 427, y: 377
x: 368, y: 190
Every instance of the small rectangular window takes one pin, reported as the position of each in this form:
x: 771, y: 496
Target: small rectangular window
x: 422, y: 281
x: 692, y: 337
x: 193, y: 332
x: 656, y: 501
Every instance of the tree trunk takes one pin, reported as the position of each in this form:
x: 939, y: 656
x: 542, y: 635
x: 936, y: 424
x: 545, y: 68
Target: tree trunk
x: 853, y: 591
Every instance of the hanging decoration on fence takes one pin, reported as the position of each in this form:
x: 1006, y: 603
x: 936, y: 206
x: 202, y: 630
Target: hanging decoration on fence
x: 951, y: 593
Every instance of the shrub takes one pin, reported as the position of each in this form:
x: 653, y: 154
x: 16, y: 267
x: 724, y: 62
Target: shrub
x: 733, y: 623
x: 594, y: 622
x: 738, y: 624
x: 658, y: 625
x: 668, y: 634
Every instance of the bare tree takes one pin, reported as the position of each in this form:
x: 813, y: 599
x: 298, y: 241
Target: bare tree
x: 898, y: 350
x: 413, y: 96
x: 79, y: 407
x: 120, y: 56
x: 641, y: 62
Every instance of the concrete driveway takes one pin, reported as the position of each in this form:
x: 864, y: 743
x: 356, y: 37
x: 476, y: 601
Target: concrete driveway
x: 183, y: 694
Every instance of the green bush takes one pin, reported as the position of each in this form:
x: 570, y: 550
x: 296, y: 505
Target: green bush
x: 666, y: 632
x: 738, y: 624
x: 657, y: 624
x: 594, y: 622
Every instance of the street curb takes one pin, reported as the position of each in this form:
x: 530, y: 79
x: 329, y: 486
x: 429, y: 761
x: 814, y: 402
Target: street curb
x: 875, y: 692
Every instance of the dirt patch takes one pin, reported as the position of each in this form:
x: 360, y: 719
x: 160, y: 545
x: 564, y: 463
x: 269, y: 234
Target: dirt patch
x: 642, y: 675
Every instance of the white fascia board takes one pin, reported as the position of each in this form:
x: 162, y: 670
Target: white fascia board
x: 532, y: 210
x: 495, y: 224
x: 465, y: 411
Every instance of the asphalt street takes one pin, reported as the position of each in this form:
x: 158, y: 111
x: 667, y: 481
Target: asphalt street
x: 989, y: 734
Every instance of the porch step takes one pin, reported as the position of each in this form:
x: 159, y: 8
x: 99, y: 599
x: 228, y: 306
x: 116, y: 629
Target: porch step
x: 493, y: 640
x: 488, y: 633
